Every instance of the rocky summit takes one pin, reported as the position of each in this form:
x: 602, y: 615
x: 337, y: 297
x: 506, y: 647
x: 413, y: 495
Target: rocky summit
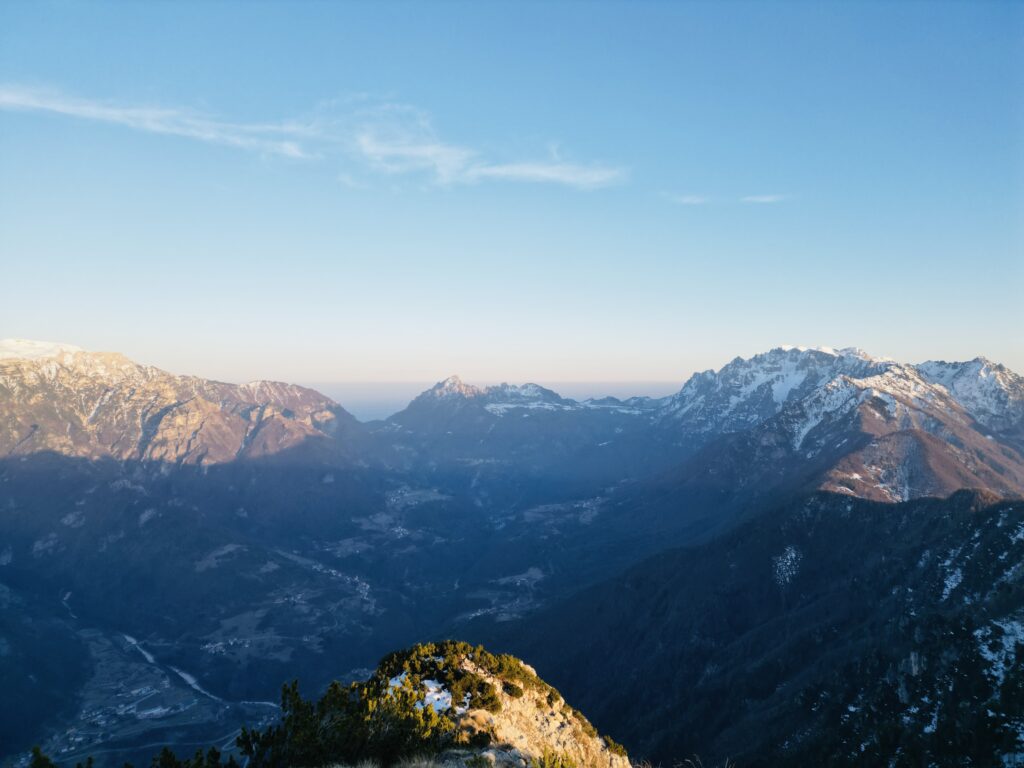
x: 447, y: 703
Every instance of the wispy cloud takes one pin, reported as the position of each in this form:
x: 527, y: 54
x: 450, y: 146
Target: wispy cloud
x: 763, y: 199
x: 581, y: 176
x: 268, y: 139
x: 446, y: 163
x: 450, y: 164
x: 393, y: 139
x: 398, y: 139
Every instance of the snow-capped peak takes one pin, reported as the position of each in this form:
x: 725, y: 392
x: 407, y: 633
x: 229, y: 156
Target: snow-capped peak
x: 819, y: 383
x: 990, y: 392
x: 497, y: 399
x: 27, y: 349
x: 833, y: 352
x: 522, y: 392
x: 747, y: 391
x: 453, y: 386
x: 800, y: 348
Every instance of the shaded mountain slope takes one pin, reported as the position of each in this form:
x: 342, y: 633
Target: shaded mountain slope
x: 834, y: 631
x: 527, y: 431
x: 42, y: 664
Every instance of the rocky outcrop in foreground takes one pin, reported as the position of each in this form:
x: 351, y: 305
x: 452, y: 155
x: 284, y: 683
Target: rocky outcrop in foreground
x: 447, y: 704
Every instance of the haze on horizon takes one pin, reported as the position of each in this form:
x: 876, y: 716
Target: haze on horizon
x: 396, y: 193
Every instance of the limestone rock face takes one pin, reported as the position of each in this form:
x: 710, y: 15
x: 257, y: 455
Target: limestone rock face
x: 537, y: 722
x: 502, y: 713
x: 103, y: 405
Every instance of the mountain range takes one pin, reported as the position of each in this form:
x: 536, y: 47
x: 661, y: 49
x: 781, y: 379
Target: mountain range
x: 172, y: 548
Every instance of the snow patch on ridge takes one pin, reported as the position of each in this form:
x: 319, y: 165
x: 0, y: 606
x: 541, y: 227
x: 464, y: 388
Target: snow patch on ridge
x: 435, y: 695
x: 1000, y: 652
x: 27, y: 349
x: 991, y: 393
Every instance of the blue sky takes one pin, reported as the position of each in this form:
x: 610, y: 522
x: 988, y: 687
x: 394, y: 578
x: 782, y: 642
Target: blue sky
x: 572, y: 192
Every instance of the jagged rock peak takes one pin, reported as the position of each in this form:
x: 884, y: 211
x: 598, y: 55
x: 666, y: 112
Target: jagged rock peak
x: 280, y: 392
x: 453, y: 386
x: 746, y: 391
x: 990, y: 392
x: 830, y: 351
x: 101, y: 404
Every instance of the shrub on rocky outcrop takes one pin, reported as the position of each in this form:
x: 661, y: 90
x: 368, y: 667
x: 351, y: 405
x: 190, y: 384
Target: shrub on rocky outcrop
x: 552, y: 760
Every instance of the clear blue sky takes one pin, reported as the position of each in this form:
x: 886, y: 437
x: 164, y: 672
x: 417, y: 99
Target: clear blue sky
x: 385, y: 191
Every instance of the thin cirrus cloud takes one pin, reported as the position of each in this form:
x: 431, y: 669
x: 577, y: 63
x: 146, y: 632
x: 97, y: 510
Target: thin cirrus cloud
x: 399, y: 139
x: 702, y: 200
x: 763, y: 199
x: 556, y: 172
x: 393, y: 139
x: 450, y: 164
x: 174, y: 122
